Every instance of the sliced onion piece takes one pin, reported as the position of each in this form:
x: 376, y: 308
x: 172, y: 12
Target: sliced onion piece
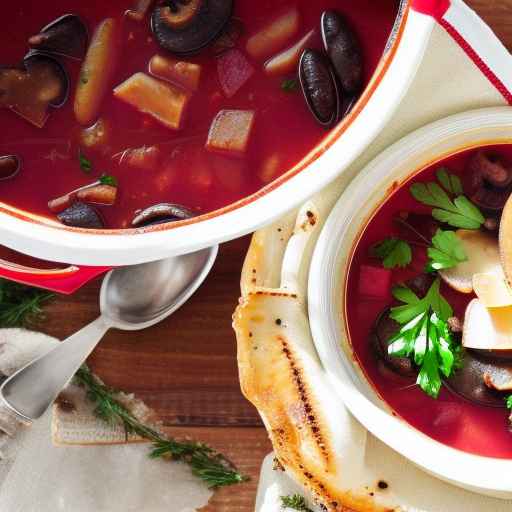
x: 487, y: 328
x: 483, y: 258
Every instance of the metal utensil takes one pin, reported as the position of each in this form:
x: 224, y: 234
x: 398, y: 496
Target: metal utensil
x: 131, y: 298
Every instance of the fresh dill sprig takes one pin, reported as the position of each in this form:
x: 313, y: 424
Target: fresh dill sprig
x: 295, y: 502
x: 20, y: 305
x: 207, y: 464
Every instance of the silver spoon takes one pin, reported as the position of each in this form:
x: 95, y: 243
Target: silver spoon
x: 131, y: 298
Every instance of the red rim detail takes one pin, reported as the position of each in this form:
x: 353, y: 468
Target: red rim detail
x: 434, y: 8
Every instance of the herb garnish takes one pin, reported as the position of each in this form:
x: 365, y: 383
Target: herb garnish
x: 289, y: 85
x: 447, y: 251
x: 107, y: 179
x: 509, y: 402
x: 20, y: 305
x: 207, y: 464
x: 85, y: 163
x: 393, y: 252
x: 450, y: 182
x: 424, y: 336
x: 458, y: 212
x: 295, y: 502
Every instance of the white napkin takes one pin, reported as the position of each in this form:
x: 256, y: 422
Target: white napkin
x: 36, y: 476
x: 449, y: 80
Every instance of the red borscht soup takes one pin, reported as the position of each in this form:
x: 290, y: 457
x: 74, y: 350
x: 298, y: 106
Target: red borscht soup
x: 125, y: 113
x: 429, y: 302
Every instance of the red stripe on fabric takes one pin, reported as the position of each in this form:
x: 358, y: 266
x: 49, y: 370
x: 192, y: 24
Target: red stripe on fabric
x: 434, y: 8
x: 471, y: 53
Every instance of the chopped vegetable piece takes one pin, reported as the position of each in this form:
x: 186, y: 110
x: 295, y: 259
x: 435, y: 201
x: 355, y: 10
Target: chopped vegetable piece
x: 492, y: 290
x: 99, y: 194
x: 61, y: 203
x: 274, y: 35
x: 374, y: 282
x: 487, y: 328
x: 181, y: 73
x: 97, y: 71
x: 447, y: 251
x: 287, y: 61
x: 139, y: 10
x: 393, y: 252
x: 270, y: 168
x: 230, y: 132
x: 97, y: 135
x: 144, y: 158
x: 165, y: 103
x: 234, y: 71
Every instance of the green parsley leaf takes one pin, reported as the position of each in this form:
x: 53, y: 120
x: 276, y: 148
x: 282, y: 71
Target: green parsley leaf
x: 459, y: 213
x: 509, y: 402
x: 85, y: 163
x: 447, y: 251
x: 295, y: 502
x: 427, y: 341
x: 289, y: 85
x: 415, y: 306
x: 450, y: 182
x: 393, y: 252
x: 106, y: 179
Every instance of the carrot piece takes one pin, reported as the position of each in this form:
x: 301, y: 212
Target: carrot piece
x: 275, y: 35
x: 97, y: 71
x: 184, y: 74
x: 98, y: 194
x: 230, y: 131
x: 161, y: 100
x: 286, y: 61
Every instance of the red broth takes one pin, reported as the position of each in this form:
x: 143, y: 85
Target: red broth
x: 188, y: 174
x: 450, y: 419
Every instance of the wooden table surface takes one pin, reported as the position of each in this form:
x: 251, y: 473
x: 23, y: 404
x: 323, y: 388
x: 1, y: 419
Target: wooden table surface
x: 185, y: 367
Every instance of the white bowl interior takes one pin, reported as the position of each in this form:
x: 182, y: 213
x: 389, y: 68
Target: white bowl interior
x: 327, y: 282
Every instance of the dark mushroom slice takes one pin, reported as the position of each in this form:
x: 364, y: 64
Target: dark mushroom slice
x: 344, y: 51
x: 490, y: 181
x: 160, y: 214
x: 319, y: 87
x: 66, y: 36
x: 9, y: 166
x: 476, y: 372
x: 383, y: 330
x: 54, y: 85
x: 81, y: 215
x: 185, y: 27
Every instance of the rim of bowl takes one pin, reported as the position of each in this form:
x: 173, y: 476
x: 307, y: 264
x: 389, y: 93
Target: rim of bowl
x: 328, y: 276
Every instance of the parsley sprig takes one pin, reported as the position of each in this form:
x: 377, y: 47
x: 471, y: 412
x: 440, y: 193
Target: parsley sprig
x: 295, y: 502
x: 446, y: 251
x: 85, y: 163
x: 107, y: 179
x: 20, y: 305
x: 207, y: 464
x: 424, y: 336
x: 458, y: 211
x: 393, y: 252
x: 509, y: 402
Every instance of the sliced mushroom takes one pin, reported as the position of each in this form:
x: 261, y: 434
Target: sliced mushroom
x: 160, y: 214
x: 319, y: 87
x: 487, y: 328
x: 492, y: 290
x: 490, y: 181
x: 81, y: 215
x: 470, y: 380
x: 9, y: 166
x: 344, y: 51
x: 483, y: 258
x: 66, y: 36
x: 505, y: 240
x: 186, y: 27
x: 383, y: 330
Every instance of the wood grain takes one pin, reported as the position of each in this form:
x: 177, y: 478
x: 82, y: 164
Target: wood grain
x: 185, y: 367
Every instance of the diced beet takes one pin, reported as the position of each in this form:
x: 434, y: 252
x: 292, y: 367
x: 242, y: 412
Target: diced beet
x: 234, y: 70
x: 374, y: 282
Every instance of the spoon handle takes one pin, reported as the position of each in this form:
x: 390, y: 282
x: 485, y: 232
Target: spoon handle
x: 33, y: 388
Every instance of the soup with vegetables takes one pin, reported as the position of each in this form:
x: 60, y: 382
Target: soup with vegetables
x: 429, y: 301
x: 126, y: 113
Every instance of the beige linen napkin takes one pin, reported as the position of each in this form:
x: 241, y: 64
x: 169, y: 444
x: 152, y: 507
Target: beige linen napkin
x: 449, y: 80
x: 36, y: 476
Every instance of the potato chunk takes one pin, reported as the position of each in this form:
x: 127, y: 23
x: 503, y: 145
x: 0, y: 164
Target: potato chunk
x: 287, y: 61
x: 167, y: 104
x: 230, y: 132
x: 184, y: 74
x: 97, y: 71
x: 274, y: 36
